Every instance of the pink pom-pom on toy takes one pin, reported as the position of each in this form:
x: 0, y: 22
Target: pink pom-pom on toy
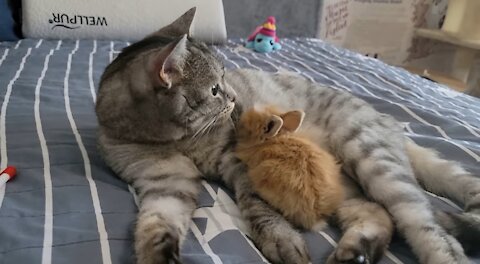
x: 268, y: 28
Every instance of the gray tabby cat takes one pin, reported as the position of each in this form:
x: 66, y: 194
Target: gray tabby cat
x: 165, y: 109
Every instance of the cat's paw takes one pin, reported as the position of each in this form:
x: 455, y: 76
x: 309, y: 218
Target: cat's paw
x: 357, y: 249
x: 166, y: 247
x: 348, y: 256
x: 157, y: 243
x: 284, y: 246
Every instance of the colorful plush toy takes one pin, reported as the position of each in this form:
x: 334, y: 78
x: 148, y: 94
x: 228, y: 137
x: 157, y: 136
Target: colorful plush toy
x: 264, y: 39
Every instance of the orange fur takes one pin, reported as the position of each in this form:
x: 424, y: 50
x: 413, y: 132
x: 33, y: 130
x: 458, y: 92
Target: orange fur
x: 289, y: 171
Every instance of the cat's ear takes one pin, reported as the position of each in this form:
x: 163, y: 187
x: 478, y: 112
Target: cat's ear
x: 169, y: 62
x: 292, y: 120
x: 273, y: 126
x: 181, y: 26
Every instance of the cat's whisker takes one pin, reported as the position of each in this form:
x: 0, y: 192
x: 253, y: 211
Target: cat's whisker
x: 233, y: 117
x: 201, y: 132
x: 233, y: 125
x: 205, y: 132
x: 201, y: 129
x: 212, y: 125
x: 198, y: 131
x: 186, y: 126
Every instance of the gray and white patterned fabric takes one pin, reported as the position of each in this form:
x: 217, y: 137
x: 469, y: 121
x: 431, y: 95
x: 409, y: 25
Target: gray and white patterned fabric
x: 66, y: 206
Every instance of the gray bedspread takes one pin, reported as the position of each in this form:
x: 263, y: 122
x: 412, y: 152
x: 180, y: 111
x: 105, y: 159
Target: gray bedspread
x: 66, y: 205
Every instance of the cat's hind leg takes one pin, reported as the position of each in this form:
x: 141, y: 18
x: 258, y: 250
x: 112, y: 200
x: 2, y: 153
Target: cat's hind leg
x: 367, y: 229
x: 448, y: 178
x: 444, y: 177
x: 377, y: 155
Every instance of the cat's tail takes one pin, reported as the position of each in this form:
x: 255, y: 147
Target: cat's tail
x: 449, y: 179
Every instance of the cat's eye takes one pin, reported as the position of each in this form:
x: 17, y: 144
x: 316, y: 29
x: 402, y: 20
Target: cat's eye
x: 259, y: 40
x: 215, y: 89
x: 271, y: 42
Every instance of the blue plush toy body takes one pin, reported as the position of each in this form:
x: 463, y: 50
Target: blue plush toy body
x: 264, y: 38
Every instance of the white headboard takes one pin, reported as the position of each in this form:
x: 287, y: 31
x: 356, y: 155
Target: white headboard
x: 118, y: 19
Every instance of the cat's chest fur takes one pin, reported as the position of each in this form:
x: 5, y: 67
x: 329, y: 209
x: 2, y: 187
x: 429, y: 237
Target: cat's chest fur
x: 206, y: 152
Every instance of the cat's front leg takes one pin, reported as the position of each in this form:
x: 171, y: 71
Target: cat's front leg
x: 167, y: 190
x: 167, y: 186
x: 271, y: 233
x: 367, y: 228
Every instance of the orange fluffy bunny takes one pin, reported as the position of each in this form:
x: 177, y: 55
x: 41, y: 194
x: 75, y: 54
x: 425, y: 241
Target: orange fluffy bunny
x: 287, y: 170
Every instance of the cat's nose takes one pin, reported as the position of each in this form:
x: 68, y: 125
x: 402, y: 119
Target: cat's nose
x: 232, y: 98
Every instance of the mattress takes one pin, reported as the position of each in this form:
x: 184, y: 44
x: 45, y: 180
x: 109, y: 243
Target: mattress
x: 67, y: 206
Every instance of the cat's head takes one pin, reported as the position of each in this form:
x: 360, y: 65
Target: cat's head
x: 258, y: 125
x: 165, y: 87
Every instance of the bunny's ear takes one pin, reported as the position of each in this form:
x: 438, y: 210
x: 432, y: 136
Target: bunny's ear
x: 273, y: 126
x: 292, y: 120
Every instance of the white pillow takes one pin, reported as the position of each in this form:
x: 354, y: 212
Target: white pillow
x: 118, y: 19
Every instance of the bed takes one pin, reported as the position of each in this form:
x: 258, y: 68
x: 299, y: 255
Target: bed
x: 67, y: 206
